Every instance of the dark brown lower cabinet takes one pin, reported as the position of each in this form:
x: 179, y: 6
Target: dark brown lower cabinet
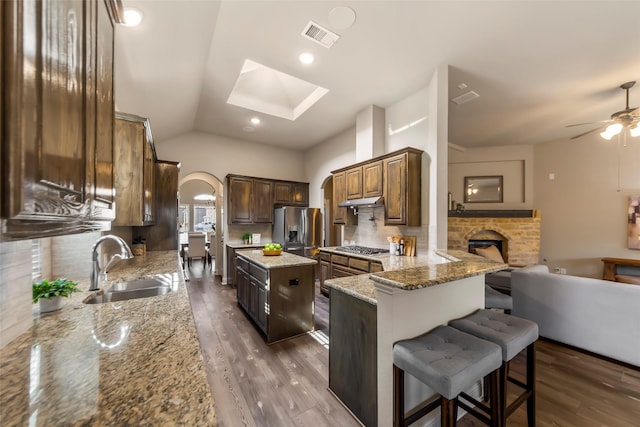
x: 353, y: 357
x: 278, y: 300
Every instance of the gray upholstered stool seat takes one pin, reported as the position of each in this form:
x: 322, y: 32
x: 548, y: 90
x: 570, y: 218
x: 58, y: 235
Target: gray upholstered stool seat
x: 513, y: 335
x: 495, y: 299
x: 448, y: 361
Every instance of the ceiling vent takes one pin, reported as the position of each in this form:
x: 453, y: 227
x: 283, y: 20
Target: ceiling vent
x: 319, y: 34
x: 465, y: 97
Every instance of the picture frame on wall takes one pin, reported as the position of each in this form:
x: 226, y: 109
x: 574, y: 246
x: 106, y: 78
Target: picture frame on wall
x: 633, y: 223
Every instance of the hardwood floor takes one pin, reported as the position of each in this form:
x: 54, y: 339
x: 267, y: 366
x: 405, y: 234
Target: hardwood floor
x: 285, y: 384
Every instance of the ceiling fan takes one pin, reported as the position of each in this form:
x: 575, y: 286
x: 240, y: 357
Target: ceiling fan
x: 629, y: 118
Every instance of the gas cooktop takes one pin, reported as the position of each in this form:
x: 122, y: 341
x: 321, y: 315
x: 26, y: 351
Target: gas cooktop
x: 362, y: 250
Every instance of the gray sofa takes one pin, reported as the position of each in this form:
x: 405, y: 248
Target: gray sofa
x: 595, y: 315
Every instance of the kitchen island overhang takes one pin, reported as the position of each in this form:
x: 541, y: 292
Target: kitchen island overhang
x: 409, y: 302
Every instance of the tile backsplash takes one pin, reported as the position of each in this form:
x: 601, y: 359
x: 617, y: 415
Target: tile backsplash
x: 15, y: 289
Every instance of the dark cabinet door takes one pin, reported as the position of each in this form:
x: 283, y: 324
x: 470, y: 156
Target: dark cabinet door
x: 262, y: 201
x: 353, y: 179
x: 44, y: 166
x: 395, y: 186
x: 300, y: 194
x: 253, y: 299
x: 100, y: 185
x: 243, y: 289
x: 339, y: 195
x: 240, y: 200
x: 282, y: 193
x: 372, y: 179
x: 261, y: 315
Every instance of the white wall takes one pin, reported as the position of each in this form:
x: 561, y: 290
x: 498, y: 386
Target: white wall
x: 515, y: 163
x: 584, y: 209
x: 320, y: 160
x: 219, y: 156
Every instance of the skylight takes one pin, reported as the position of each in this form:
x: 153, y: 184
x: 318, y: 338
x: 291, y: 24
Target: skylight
x: 263, y: 89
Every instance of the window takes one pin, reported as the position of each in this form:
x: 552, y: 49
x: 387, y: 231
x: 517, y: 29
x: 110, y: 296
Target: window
x: 203, y: 217
x: 183, y: 218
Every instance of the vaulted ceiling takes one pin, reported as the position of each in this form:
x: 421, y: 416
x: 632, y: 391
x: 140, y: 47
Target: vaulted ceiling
x: 538, y: 66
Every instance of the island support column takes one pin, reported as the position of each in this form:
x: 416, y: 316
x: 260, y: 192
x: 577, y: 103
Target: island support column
x: 404, y: 314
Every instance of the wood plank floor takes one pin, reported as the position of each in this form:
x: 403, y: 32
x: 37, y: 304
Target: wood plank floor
x: 285, y: 384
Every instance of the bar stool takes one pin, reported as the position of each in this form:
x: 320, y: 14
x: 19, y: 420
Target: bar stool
x: 513, y: 335
x: 448, y: 361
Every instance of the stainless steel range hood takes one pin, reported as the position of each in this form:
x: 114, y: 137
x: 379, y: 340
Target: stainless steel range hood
x: 369, y: 202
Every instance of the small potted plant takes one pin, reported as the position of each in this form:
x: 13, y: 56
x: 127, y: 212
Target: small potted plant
x: 50, y: 293
x: 246, y: 238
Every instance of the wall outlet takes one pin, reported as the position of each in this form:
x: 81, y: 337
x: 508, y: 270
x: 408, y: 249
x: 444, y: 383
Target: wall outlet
x: 560, y: 270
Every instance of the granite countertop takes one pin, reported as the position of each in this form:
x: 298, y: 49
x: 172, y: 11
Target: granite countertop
x: 285, y: 259
x: 241, y: 245
x: 389, y: 262
x: 359, y: 286
x: 438, y: 267
x: 462, y: 264
x: 135, y: 362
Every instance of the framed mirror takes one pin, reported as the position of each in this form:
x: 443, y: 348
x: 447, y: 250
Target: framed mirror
x: 483, y: 189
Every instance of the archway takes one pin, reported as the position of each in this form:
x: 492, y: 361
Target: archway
x: 215, y: 187
x: 332, y: 233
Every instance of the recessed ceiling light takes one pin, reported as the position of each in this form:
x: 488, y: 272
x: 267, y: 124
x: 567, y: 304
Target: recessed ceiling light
x: 255, y: 120
x: 306, y: 58
x: 132, y: 17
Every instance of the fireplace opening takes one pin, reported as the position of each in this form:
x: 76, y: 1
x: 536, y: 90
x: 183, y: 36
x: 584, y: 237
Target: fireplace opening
x: 485, y: 243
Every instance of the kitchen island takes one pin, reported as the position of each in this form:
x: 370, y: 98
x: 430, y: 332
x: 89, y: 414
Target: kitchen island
x: 370, y: 312
x: 277, y: 292
x: 135, y: 362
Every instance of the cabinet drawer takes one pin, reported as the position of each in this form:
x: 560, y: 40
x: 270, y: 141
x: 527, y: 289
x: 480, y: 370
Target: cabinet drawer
x: 340, y: 272
x: 340, y: 260
x: 258, y: 273
x: 359, y: 264
x: 242, y: 263
x: 325, y: 256
x: 375, y: 267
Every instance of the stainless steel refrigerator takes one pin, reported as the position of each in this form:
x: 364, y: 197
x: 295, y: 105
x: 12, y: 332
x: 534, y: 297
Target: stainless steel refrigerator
x: 298, y: 230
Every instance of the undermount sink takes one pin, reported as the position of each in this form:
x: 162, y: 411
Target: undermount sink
x: 129, y: 294
x: 133, y: 285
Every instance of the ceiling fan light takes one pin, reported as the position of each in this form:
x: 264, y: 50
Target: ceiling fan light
x: 611, y: 131
x: 635, y: 131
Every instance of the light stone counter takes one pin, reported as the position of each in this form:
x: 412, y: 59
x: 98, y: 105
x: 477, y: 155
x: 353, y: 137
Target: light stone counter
x: 413, y: 272
x: 391, y: 262
x: 455, y: 265
x: 285, y: 259
x: 135, y: 362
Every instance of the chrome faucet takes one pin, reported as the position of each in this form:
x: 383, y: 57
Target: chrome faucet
x: 125, y: 253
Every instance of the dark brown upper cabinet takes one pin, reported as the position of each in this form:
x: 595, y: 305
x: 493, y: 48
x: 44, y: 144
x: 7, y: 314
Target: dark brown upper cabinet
x: 396, y: 176
x: 402, y: 188
x: 57, y: 117
x: 134, y: 169
x: 353, y: 179
x: 372, y: 179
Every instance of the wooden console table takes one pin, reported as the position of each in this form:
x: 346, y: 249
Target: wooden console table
x: 611, y: 264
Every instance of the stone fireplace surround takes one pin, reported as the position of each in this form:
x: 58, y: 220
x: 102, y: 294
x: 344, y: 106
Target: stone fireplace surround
x: 520, y: 236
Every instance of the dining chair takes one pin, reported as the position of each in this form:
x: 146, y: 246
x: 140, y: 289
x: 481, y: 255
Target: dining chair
x: 197, y: 248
